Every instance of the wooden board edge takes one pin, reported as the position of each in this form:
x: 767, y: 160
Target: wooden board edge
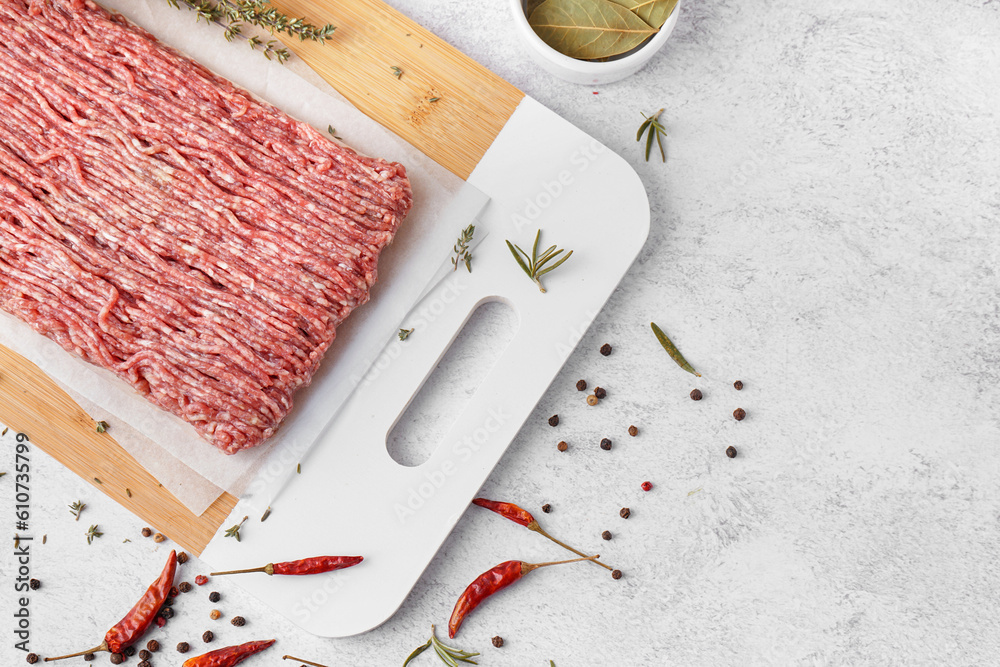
x: 33, y: 404
x: 439, y: 99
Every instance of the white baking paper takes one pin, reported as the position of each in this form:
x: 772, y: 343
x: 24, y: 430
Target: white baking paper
x: 169, y: 448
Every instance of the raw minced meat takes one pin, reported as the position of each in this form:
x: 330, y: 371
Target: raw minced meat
x: 164, y: 224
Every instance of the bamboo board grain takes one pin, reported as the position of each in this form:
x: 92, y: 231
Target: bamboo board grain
x: 371, y: 38
x: 456, y: 131
x: 33, y: 404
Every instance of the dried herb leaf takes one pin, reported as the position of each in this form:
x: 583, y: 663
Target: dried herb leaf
x: 653, y: 12
x: 672, y: 350
x: 531, y: 6
x: 589, y: 29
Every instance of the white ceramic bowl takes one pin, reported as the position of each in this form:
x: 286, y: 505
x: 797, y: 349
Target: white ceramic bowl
x: 584, y: 71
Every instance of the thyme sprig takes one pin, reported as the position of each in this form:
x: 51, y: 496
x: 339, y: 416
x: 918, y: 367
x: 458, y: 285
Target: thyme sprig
x: 537, y: 265
x: 103, y: 426
x: 404, y: 333
x: 234, y: 531
x: 449, y: 654
x: 76, y: 509
x: 235, y: 15
x: 652, y: 128
x: 93, y: 533
x: 461, y: 249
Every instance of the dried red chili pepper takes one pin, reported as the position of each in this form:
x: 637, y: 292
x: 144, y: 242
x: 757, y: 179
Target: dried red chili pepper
x: 317, y: 565
x: 135, y: 623
x: 493, y: 580
x: 521, y: 516
x: 229, y: 656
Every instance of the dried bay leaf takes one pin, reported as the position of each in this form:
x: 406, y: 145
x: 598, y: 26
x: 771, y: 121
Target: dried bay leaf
x: 653, y: 12
x: 589, y: 29
x: 530, y: 7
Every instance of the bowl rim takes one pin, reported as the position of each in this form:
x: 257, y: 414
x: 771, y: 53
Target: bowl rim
x: 636, y: 59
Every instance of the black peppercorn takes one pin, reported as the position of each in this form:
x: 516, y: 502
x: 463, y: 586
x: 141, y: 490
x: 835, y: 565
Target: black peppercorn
x: 498, y: 641
x: 167, y: 612
x: 145, y: 655
x: 738, y: 385
x: 174, y: 591
x: 117, y: 659
x: 184, y: 587
x: 696, y: 394
x: 616, y: 574
x: 146, y: 532
x: 88, y: 657
x: 182, y: 557
x: 625, y: 513
x: 554, y: 420
x: 731, y: 452
x: 31, y: 658
x: 183, y: 647
x: 605, y: 349
x: 153, y: 645
x: 605, y: 444
x: 606, y: 534
x: 546, y: 508
x: 169, y: 602
x: 145, y: 663
x: 562, y: 446
x: 633, y: 431
x: 581, y: 385
x: 739, y: 414
x: 34, y: 584
x: 599, y: 392
x: 214, y: 596
x: 208, y: 636
x: 129, y: 651
x: 238, y: 621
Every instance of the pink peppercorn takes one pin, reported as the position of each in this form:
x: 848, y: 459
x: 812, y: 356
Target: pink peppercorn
x: 201, y: 580
x: 160, y: 621
x: 646, y: 486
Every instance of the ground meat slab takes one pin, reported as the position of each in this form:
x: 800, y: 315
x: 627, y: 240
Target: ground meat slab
x: 163, y: 224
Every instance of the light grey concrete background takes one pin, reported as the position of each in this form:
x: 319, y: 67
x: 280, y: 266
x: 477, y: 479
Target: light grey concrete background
x: 825, y: 229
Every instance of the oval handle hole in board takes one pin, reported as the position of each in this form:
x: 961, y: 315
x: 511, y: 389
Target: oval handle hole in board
x: 447, y: 391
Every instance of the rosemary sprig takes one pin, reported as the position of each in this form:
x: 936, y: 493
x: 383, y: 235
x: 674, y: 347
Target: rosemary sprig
x: 234, y: 15
x: 652, y: 128
x: 449, y: 655
x: 404, y: 333
x: 93, y: 534
x: 461, y: 249
x: 76, y: 509
x: 535, y: 265
x: 234, y: 531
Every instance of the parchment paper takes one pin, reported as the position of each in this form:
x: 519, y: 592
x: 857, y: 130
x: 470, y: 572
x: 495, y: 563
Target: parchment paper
x: 169, y: 448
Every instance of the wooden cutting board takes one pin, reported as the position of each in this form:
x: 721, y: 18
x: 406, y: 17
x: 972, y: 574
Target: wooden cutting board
x: 472, y: 106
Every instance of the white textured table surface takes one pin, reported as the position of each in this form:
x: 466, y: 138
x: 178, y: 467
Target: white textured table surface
x: 825, y: 230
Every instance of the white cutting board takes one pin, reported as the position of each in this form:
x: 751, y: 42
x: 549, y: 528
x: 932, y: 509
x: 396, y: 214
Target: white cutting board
x: 541, y: 172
